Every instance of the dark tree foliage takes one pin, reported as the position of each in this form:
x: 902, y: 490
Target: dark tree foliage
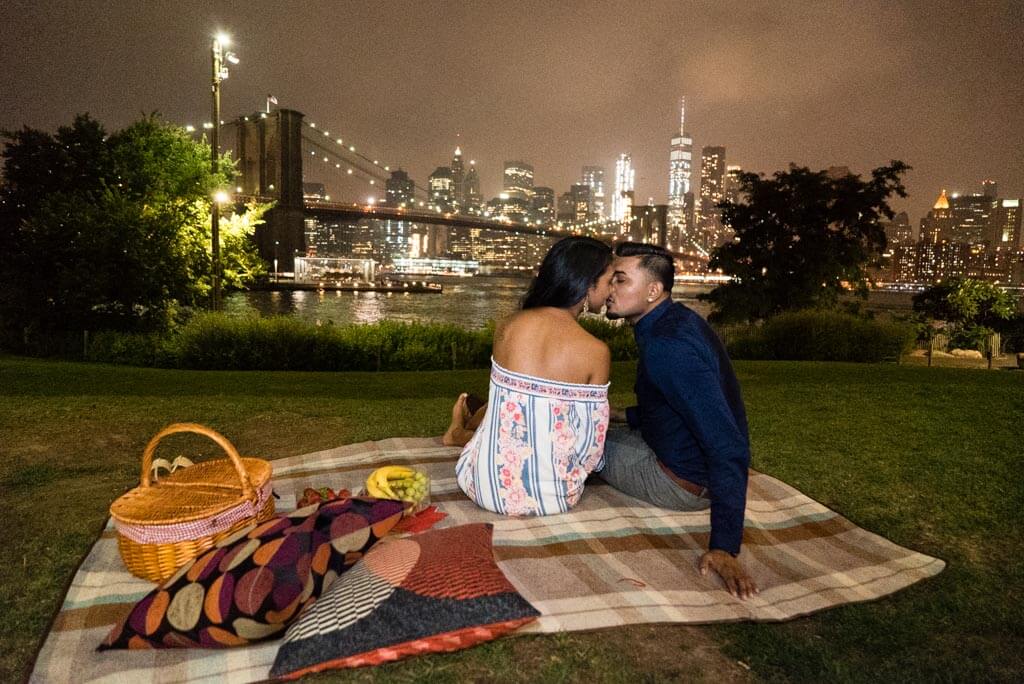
x: 802, y: 238
x: 104, y: 231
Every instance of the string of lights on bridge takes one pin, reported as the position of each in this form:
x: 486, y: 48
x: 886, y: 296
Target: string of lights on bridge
x: 378, y: 171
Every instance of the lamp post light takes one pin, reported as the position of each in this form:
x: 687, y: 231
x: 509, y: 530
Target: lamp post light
x: 219, y: 73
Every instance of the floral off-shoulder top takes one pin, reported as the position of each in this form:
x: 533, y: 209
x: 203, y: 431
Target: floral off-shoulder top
x: 536, y: 445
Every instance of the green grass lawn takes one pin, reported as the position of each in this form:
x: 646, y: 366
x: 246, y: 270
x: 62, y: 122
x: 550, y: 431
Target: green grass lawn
x: 929, y: 457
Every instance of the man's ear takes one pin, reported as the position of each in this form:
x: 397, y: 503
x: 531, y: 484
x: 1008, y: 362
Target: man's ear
x: 654, y: 289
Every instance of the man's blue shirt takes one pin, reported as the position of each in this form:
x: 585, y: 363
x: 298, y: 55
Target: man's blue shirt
x: 691, y: 414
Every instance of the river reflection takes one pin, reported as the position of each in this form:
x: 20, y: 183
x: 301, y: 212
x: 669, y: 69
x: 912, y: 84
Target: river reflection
x: 469, y: 303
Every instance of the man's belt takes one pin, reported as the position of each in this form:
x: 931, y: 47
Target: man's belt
x: 694, y: 489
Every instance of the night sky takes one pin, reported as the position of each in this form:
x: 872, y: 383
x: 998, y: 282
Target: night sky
x: 559, y: 84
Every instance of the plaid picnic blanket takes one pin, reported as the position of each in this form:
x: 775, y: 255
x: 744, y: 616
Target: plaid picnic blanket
x: 612, y: 560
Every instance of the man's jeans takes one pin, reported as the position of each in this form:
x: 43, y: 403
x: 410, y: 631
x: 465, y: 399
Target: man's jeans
x: 631, y: 467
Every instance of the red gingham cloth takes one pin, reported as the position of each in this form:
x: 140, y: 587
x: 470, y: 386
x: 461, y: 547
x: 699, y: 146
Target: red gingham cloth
x: 194, y: 529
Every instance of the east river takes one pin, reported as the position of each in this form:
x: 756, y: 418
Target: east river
x: 467, y: 302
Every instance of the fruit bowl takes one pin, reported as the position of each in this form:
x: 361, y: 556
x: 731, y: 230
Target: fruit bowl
x: 400, y: 483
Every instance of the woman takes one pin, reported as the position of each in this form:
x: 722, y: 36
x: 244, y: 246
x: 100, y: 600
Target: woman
x: 542, y: 431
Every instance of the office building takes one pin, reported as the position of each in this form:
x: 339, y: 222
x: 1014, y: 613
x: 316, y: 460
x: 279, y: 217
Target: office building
x: 971, y: 216
x: 1006, y: 233
x: 518, y: 180
x: 472, y: 198
x: 680, y: 169
x: 712, y: 192
x: 581, y: 198
x: 400, y: 190
x: 593, y: 176
x: 314, y: 192
x: 937, y: 225
x: 622, y: 198
x: 898, y: 232
x: 566, y: 210
x: 543, y: 204
x: 732, y: 183
x: 458, y: 180
x: 442, y: 188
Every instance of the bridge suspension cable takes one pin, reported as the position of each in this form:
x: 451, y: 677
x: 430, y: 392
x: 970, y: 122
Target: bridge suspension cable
x: 337, y: 147
x: 335, y: 162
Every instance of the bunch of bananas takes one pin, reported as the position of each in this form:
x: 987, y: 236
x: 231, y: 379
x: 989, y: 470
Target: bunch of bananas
x: 398, y: 482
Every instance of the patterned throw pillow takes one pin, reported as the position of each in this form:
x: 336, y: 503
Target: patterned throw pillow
x: 252, y: 584
x: 436, y: 591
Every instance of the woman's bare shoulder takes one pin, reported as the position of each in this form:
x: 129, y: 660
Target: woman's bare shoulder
x: 601, y: 360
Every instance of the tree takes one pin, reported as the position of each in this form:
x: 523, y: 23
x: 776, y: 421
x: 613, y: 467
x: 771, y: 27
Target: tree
x: 802, y: 238
x: 109, y: 232
x: 975, y: 309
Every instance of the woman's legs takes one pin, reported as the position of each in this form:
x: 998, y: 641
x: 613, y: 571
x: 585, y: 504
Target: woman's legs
x: 463, y: 425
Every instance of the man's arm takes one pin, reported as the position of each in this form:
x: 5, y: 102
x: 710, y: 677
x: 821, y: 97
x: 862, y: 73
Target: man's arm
x: 689, y: 381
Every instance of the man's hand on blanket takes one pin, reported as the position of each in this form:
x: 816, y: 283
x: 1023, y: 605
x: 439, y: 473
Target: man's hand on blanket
x: 736, y: 579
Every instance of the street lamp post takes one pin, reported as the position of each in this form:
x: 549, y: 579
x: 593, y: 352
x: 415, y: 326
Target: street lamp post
x: 219, y: 73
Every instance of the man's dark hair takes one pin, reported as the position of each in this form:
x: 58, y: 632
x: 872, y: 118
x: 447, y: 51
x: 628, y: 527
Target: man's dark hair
x: 655, y: 260
x: 570, y: 268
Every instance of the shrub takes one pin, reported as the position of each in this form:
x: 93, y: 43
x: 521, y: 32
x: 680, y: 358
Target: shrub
x: 132, y: 349
x: 220, y: 342
x: 819, y: 335
x: 970, y: 336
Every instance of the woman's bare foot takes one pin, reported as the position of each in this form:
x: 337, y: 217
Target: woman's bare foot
x: 457, y: 434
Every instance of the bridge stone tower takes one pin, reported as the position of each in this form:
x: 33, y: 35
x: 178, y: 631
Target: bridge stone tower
x: 269, y: 153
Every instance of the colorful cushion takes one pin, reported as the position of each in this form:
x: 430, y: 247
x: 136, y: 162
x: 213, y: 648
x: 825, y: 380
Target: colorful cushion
x: 252, y: 584
x: 436, y: 591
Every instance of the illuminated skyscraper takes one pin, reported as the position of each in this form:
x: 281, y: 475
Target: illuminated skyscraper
x: 1007, y: 226
x: 594, y: 177
x: 898, y: 232
x: 623, y: 197
x: 565, y: 212
x: 458, y: 180
x: 442, y: 188
x: 582, y: 201
x: 471, y: 197
x: 543, y: 204
x: 680, y: 169
x: 400, y: 189
x: 971, y: 216
x: 518, y: 180
x: 732, y: 183
x: 935, y: 227
x: 712, y: 191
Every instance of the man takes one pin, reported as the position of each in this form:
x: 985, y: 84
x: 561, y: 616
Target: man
x: 686, y: 446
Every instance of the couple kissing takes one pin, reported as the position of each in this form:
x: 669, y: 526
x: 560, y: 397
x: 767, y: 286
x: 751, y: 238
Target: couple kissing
x: 547, y: 424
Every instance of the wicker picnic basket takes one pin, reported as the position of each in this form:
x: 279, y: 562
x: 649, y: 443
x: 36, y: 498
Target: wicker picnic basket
x: 162, y: 525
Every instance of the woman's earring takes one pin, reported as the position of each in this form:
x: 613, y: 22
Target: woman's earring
x: 586, y: 305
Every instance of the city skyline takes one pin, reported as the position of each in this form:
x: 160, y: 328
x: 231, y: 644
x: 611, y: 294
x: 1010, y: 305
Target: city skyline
x: 818, y: 85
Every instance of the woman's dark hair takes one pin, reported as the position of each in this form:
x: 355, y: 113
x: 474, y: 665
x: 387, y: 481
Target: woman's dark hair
x: 654, y: 259
x: 570, y: 268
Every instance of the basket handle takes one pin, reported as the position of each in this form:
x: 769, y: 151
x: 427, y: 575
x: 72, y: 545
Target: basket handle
x: 221, y: 440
